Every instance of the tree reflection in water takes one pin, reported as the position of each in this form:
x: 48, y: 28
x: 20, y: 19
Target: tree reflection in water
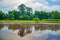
x: 27, y: 28
x: 21, y: 32
x: 23, y: 29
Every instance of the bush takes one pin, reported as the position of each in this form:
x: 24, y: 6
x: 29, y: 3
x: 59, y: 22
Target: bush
x: 36, y: 19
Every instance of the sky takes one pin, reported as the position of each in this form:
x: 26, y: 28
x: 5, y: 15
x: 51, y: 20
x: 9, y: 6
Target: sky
x: 45, y: 5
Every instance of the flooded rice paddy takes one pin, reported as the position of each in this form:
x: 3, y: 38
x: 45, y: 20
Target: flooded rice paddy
x: 29, y: 31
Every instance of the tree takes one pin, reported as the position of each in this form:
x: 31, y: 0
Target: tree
x: 26, y: 17
x: 11, y: 15
x: 1, y: 15
x: 36, y: 19
x: 22, y: 8
x: 6, y: 16
x: 26, y: 12
x: 41, y: 14
x: 55, y: 15
x: 14, y: 15
x: 29, y: 11
x: 17, y: 15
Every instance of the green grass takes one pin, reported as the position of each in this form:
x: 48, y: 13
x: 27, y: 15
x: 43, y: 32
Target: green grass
x: 17, y: 21
x: 51, y: 20
x: 45, y: 20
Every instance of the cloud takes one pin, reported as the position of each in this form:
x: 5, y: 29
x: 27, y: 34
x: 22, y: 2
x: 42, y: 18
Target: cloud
x: 6, y: 5
x: 12, y: 2
x: 42, y: 5
x: 35, y: 35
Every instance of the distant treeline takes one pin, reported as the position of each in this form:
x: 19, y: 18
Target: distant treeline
x: 26, y: 13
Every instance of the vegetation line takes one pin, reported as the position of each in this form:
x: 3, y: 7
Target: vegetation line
x: 36, y: 21
x: 26, y: 14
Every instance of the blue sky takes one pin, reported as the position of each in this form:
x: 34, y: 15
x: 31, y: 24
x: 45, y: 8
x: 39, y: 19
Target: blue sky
x: 46, y: 5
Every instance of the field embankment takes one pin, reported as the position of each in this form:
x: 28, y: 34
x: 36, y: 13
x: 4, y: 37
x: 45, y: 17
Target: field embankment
x: 45, y: 21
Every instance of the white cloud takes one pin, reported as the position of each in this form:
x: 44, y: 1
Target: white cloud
x: 49, y: 8
x: 42, y: 5
x: 34, y: 4
x: 6, y: 5
x: 12, y: 2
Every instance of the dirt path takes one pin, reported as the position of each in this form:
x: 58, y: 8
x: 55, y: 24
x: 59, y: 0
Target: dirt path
x: 26, y: 23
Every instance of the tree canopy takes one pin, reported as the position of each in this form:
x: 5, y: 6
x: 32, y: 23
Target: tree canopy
x: 26, y: 13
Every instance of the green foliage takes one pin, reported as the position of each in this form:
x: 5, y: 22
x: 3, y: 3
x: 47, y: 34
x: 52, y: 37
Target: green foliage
x: 41, y: 14
x: 1, y: 15
x: 22, y: 8
x: 36, y: 19
x: 26, y: 13
x: 55, y: 15
x: 6, y: 16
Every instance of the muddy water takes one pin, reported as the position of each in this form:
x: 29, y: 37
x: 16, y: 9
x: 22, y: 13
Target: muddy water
x: 29, y: 32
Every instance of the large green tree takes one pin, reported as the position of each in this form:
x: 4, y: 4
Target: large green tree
x: 22, y: 8
x: 26, y: 12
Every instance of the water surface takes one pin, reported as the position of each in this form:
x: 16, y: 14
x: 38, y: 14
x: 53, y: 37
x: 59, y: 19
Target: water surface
x: 29, y: 32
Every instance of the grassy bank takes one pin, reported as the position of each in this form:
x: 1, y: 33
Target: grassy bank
x: 45, y: 20
x: 51, y: 20
x: 17, y: 21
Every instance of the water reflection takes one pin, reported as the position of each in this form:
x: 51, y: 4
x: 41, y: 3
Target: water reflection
x: 29, y: 32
